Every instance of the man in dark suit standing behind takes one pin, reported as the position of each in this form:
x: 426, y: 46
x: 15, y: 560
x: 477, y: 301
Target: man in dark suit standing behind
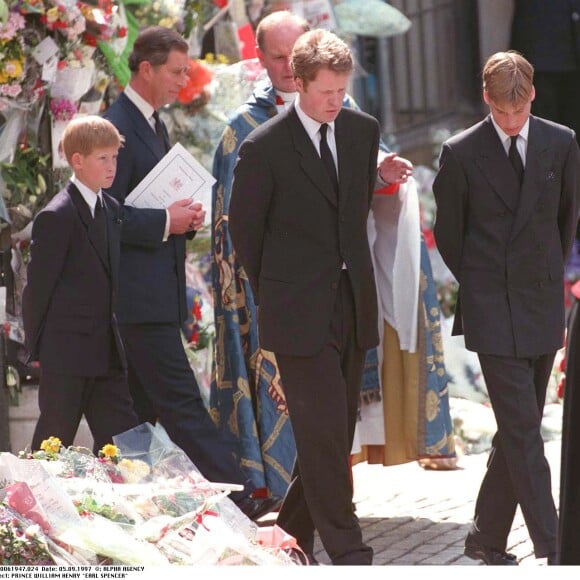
x: 152, y: 303
x: 507, y: 192
x: 301, y: 195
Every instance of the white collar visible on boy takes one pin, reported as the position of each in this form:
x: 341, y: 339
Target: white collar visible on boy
x: 88, y: 194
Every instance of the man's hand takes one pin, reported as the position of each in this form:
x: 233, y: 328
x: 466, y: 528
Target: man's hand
x: 395, y: 169
x: 185, y: 216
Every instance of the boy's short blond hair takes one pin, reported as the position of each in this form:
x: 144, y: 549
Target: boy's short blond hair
x: 85, y: 134
x: 508, y: 78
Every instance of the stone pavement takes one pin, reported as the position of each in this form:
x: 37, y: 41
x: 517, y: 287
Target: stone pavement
x: 412, y: 516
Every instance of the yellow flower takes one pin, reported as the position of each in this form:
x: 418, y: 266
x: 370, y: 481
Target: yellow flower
x: 52, y: 15
x: 133, y: 470
x: 13, y: 68
x: 4, y: 78
x: 110, y: 451
x: 51, y: 445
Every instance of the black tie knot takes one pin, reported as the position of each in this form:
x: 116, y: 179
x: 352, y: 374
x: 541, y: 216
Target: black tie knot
x: 159, y: 130
x: 515, y: 158
x: 98, y: 230
x: 327, y: 158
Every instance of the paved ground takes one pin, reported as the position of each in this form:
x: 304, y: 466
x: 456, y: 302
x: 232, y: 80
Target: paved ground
x: 412, y: 516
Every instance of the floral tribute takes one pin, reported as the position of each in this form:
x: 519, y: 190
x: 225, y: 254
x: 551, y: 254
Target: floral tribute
x: 140, y: 501
x: 12, y: 55
x: 21, y: 543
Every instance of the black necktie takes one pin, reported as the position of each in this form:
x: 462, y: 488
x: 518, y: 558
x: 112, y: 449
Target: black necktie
x: 100, y: 229
x: 516, y: 160
x: 327, y: 158
x: 159, y: 129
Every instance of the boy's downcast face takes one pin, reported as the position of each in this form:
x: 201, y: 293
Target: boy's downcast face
x: 510, y: 117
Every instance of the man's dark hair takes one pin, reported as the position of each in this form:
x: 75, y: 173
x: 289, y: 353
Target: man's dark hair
x: 154, y: 45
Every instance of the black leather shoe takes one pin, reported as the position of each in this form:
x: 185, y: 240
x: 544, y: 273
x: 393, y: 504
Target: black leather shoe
x: 552, y: 560
x: 489, y: 556
x: 255, y: 508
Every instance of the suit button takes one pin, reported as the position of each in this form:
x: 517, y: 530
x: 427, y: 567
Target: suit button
x: 575, y: 16
x: 334, y: 285
x: 500, y: 214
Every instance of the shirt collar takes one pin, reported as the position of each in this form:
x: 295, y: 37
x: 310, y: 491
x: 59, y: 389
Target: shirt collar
x: 88, y: 194
x: 146, y: 108
x: 286, y: 97
x: 524, y: 131
x: 312, y: 127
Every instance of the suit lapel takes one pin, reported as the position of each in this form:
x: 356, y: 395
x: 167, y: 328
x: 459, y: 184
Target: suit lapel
x: 310, y: 160
x: 143, y: 129
x: 114, y: 224
x: 343, y: 148
x: 496, y: 166
x: 538, y: 162
x: 87, y: 219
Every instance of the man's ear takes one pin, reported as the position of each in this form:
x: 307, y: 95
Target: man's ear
x: 76, y: 161
x: 299, y: 84
x: 486, y: 97
x: 145, y: 69
x: 260, y: 56
x: 533, y: 94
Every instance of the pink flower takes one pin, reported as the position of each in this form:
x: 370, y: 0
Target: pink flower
x: 63, y: 109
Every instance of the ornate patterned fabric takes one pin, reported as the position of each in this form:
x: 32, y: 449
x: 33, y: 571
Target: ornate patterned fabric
x: 246, y: 399
x: 419, y: 397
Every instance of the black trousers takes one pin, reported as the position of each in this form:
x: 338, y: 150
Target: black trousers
x: 517, y: 470
x: 164, y: 388
x: 569, y: 537
x: 322, y: 393
x: 104, y: 401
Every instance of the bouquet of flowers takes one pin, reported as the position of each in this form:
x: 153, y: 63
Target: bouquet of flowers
x: 168, y: 514
x: 21, y: 543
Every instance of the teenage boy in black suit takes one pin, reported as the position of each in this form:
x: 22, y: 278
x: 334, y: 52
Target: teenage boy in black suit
x: 508, y: 192
x: 69, y: 300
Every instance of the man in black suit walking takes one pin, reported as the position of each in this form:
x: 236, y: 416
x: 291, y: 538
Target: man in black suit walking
x: 152, y: 300
x: 301, y: 195
x: 508, y: 192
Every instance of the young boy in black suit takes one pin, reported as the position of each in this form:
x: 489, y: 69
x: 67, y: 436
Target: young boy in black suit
x: 69, y: 299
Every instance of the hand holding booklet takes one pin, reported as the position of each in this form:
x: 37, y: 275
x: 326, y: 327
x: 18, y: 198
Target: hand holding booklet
x: 177, y: 176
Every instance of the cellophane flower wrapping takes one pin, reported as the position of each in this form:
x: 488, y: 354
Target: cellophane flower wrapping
x: 190, y: 520
x: 146, y: 504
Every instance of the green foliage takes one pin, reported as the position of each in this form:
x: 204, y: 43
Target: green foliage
x: 24, y: 178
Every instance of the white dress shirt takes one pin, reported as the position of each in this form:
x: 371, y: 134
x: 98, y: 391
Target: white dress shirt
x: 521, y: 143
x: 147, y: 111
x: 312, y: 127
x: 88, y: 194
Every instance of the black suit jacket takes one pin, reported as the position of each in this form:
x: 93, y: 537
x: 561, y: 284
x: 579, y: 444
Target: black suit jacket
x: 547, y: 33
x: 292, y: 235
x: 152, y: 276
x: 69, y: 299
x: 508, y: 256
